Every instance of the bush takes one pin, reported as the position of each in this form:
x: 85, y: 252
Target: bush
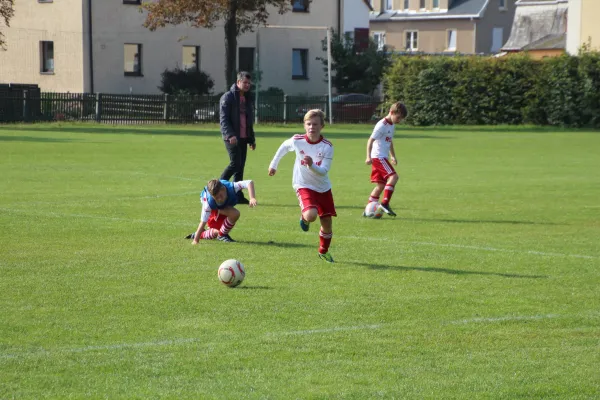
x: 186, y: 82
x: 560, y: 91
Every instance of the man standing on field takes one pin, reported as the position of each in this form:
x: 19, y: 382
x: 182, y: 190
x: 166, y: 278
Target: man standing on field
x: 236, y: 117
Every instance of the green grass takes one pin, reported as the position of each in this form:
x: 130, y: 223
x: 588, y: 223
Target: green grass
x: 487, y: 285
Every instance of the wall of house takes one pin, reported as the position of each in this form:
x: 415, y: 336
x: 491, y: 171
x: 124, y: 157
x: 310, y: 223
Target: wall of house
x: 432, y: 35
x: 583, y: 27
x: 59, y: 22
x: 494, y: 17
x: 355, y: 14
x: 117, y: 24
x: 539, y: 54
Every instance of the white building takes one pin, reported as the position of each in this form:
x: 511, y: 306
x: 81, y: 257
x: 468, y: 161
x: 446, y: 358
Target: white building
x: 101, y: 46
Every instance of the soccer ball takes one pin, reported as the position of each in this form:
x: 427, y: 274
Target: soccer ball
x: 231, y: 273
x: 373, y: 210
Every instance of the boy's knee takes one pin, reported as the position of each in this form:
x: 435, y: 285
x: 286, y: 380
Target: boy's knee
x: 310, y: 215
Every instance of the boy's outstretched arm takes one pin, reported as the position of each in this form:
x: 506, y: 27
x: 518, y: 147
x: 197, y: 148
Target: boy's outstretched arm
x: 369, y: 148
x: 199, y: 231
x: 251, y: 192
x: 285, y: 148
x: 393, y: 154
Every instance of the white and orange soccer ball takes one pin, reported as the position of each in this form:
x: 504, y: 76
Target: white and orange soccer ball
x: 231, y: 273
x: 373, y: 210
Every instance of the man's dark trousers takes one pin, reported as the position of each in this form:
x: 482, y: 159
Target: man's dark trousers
x: 237, y: 161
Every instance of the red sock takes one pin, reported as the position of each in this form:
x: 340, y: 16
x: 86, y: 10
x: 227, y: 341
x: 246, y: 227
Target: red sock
x: 209, y: 234
x: 387, y: 194
x: 324, y: 241
x: 226, y: 227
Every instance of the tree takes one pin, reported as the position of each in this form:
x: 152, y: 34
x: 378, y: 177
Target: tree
x: 240, y: 16
x: 353, y: 70
x: 6, y: 12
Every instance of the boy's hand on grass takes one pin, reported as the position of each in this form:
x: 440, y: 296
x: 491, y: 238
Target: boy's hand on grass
x: 272, y: 171
x: 252, y: 203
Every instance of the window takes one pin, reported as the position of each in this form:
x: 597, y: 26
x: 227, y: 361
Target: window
x: 299, y: 63
x: 133, y: 59
x: 502, y: 4
x: 388, y: 4
x: 47, y: 57
x: 422, y: 4
x: 191, y: 57
x: 436, y: 4
x: 411, y: 40
x: 451, y: 45
x: 45, y: 1
x: 406, y: 4
x: 379, y: 38
x: 246, y: 59
x: 132, y: 1
x: 300, y: 5
x: 497, y: 39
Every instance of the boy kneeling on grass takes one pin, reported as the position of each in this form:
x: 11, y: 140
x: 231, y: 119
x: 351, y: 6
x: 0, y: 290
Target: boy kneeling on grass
x: 218, y: 199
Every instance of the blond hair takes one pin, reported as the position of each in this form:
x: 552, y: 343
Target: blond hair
x: 214, y: 186
x: 315, y: 113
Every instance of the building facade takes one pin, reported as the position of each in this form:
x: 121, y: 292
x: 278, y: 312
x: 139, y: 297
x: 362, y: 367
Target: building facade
x: 442, y: 26
x: 101, y: 46
x: 583, y: 27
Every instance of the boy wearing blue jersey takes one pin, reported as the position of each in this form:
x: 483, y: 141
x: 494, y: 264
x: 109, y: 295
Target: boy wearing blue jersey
x: 218, y: 199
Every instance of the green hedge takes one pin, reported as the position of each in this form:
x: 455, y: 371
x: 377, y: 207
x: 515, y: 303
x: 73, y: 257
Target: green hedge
x: 468, y: 90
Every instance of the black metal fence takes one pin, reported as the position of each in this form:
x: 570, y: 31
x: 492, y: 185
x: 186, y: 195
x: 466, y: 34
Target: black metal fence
x: 31, y: 105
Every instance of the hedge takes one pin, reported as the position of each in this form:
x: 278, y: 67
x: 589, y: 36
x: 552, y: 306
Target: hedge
x: 472, y: 90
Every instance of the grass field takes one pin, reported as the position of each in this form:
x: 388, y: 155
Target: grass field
x: 486, y: 285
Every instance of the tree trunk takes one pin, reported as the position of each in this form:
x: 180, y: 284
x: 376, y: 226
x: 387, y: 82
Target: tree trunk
x: 231, y: 32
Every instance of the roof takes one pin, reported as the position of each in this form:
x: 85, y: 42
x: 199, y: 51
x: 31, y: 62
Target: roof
x: 549, y: 42
x: 458, y: 9
x: 538, y: 23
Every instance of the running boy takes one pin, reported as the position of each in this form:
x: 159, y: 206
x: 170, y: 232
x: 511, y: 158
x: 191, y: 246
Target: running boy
x: 218, y: 199
x: 379, y: 146
x: 310, y: 180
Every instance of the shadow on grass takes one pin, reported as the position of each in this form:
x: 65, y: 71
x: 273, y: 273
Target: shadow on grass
x: 254, y: 287
x: 478, y: 221
x: 34, y: 139
x: 188, y: 130
x: 442, y: 270
x: 271, y: 243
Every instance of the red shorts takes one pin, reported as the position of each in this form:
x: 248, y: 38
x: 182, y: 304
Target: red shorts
x: 323, y: 202
x: 381, y: 170
x: 216, y: 220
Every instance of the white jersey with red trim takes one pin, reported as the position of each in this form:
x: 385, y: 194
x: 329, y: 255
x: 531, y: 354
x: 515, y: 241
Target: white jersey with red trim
x: 382, y: 136
x: 314, y: 177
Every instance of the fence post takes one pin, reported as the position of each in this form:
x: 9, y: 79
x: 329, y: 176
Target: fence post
x: 25, y: 95
x: 98, y: 106
x: 285, y: 108
x: 166, y: 108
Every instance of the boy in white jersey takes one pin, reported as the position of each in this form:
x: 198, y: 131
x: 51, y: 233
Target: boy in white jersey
x: 379, y: 146
x: 310, y: 180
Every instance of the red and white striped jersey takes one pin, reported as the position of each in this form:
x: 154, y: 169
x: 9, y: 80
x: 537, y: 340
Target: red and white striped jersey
x: 382, y: 136
x: 316, y: 177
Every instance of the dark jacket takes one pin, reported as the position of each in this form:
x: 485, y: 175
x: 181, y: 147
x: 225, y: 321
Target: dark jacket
x: 230, y: 114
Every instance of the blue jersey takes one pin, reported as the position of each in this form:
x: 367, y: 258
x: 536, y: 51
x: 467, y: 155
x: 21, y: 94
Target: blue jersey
x: 231, y: 197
